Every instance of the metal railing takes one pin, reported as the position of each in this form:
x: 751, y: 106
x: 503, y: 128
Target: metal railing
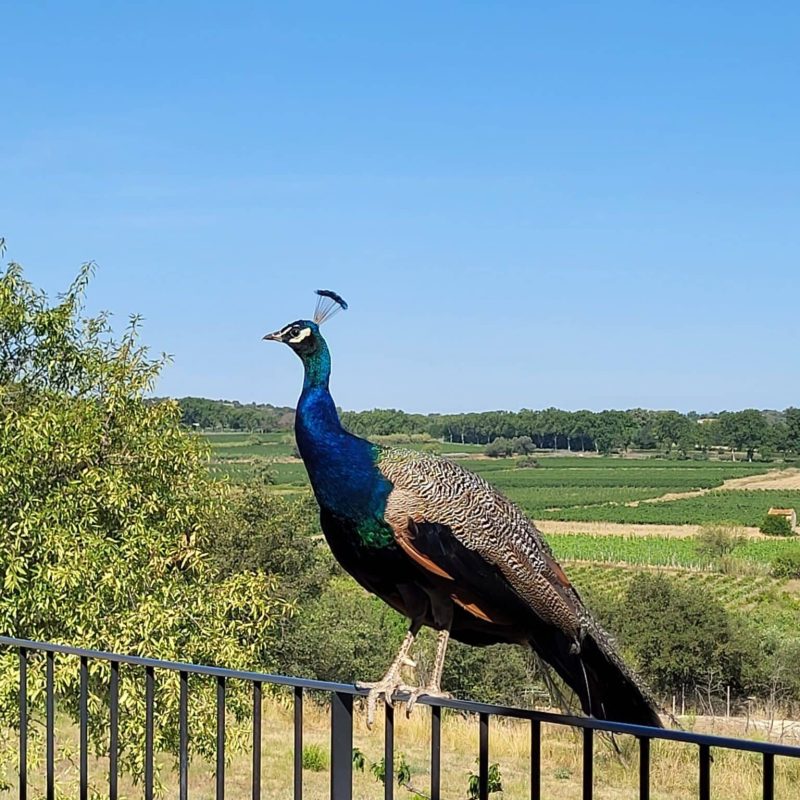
x: 341, y: 696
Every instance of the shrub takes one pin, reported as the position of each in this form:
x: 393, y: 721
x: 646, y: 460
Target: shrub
x: 402, y: 770
x: 499, y: 448
x: 359, y: 759
x: 562, y: 774
x: 315, y: 759
x: 680, y: 636
x: 716, y: 541
x: 774, y: 525
x: 344, y: 634
x: 495, y: 674
x: 786, y: 565
x: 522, y: 445
x: 259, y: 531
x: 494, y: 782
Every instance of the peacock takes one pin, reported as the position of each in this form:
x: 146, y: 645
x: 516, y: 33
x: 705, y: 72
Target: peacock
x: 444, y: 548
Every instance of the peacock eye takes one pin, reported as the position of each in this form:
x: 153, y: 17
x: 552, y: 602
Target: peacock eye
x: 295, y: 331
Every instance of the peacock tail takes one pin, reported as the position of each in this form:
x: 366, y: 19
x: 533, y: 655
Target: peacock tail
x: 484, y: 545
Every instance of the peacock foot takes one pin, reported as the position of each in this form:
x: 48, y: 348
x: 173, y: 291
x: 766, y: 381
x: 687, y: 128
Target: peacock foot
x: 385, y: 688
x: 425, y: 691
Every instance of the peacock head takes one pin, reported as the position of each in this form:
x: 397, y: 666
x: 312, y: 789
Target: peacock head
x: 303, y: 335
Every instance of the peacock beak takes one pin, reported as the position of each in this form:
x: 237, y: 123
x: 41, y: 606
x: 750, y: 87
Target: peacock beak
x: 274, y: 337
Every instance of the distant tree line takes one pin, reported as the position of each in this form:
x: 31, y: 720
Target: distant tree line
x: 209, y: 415
x: 750, y: 431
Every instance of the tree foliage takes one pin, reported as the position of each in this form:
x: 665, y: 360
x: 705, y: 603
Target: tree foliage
x: 266, y: 533
x: 681, y: 638
x: 198, y: 412
x: 105, y: 511
x: 776, y: 525
x: 757, y: 433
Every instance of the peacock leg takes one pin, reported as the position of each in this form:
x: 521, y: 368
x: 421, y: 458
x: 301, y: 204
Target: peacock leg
x: 391, y: 681
x: 434, y: 686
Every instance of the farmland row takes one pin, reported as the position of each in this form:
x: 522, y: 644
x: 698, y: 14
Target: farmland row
x: 561, y: 488
x: 657, y: 551
x: 744, y: 507
x: 767, y: 602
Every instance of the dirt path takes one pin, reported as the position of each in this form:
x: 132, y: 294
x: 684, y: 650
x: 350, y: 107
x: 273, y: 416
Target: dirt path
x: 774, y: 480
x: 634, y: 529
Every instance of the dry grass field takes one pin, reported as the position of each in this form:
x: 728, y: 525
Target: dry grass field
x: 674, y: 766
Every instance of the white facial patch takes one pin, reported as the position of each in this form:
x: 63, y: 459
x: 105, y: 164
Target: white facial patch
x: 304, y: 334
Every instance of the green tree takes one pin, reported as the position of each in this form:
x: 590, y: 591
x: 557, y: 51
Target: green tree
x: 582, y: 428
x: 671, y: 428
x: 612, y: 430
x: 259, y: 531
x: 344, y: 634
x: 792, y: 420
x: 681, y: 637
x: 105, y: 505
x: 774, y: 525
x: 743, y: 430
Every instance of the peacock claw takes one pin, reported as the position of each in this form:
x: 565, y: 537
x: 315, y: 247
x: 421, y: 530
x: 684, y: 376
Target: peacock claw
x: 425, y: 691
x: 386, y: 688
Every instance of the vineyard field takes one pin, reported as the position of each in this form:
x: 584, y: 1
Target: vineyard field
x: 746, y: 508
x: 660, y: 551
x: 535, y: 500
x: 576, y: 488
x: 664, y: 480
x: 767, y: 602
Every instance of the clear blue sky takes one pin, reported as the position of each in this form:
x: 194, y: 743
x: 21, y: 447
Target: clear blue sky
x: 526, y: 204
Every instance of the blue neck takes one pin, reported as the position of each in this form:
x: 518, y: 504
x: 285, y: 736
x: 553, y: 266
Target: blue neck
x: 341, y: 466
x: 317, y: 367
x: 317, y: 422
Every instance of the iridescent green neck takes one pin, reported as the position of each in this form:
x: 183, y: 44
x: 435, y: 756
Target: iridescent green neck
x: 317, y: 366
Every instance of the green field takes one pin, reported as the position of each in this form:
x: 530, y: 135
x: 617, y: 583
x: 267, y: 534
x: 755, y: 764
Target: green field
x: 676, y: 477
x: 767, y: 601
x: 536, y: 500
x: 740, y: 508
x: 662, y: 551
x: 601, y: 489
x: 577, y: 488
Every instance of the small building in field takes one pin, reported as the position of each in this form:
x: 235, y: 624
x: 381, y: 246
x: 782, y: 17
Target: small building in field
x: 788, y: 513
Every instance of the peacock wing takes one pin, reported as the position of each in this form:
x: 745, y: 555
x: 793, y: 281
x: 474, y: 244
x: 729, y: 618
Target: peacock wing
x: 459, y: 528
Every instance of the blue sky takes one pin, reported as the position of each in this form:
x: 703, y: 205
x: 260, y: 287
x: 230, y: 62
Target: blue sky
x: 582, y: 205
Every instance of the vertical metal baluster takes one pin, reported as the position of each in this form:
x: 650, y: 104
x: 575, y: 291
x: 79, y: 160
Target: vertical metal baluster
x: 23, y: 723
x: 256, y: 740
x: 341, y: 746
x: 644, y: 768
x: 769, y: 776
x: 220, y: 738
x: 183, y: 736
x: 483, y: 757
x: 436, y: 752
x: 536, y: 760
x: 388, y: 753
x: 149, y: 703
x: 84, y: 729
x: 588, y: 763
x: 298, y: 743
x: 705, y: 772
x: 113, y: 744
x: 50, y: 730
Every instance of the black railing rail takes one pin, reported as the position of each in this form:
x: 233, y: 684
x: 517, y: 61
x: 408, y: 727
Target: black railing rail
x: 341, y: 695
